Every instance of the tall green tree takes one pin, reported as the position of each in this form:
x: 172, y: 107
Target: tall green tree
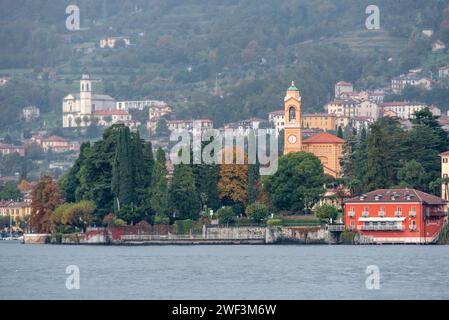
x: 413, y: 175
x: 184, y: 200
x: 298, y: 183
x: 123, y: 171
x: 158, y: 192
x: 70, y: 182
x: 426, y: 118
x: 254, y: 183
x: 385, y: 146
x: 148, y: 162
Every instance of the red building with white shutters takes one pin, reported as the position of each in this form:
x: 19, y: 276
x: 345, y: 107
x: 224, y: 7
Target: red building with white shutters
x: 396, y: 216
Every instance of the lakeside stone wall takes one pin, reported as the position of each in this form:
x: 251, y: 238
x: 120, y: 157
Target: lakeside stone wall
x: 268, y: 235
x: 36, y: 238
x: 298, y: 235
x: 235, y: 232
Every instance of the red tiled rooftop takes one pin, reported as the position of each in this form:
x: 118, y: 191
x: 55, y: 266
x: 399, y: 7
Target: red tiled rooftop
x: 323, y: 137
x: 397, y: 195
x: 55, y: 138
x: 110, y: 113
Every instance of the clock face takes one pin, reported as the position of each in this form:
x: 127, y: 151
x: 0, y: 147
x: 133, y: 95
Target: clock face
x: 292, y: 139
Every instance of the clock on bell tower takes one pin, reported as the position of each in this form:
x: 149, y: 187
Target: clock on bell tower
x: 292, y: 120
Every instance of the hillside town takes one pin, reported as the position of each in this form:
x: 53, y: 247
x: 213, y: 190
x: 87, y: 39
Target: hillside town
x: 324, y: 135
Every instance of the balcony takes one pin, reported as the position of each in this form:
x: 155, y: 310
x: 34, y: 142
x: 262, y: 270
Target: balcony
x: 412, y: 228
x: 398, y: 214
x: 395, y: 227
x: 412, y: 214
x: 381, y: 214
x: 351, y: 214
x: 365, y: 214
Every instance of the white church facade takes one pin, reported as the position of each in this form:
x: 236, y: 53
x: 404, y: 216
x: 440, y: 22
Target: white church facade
x: 79, y: 108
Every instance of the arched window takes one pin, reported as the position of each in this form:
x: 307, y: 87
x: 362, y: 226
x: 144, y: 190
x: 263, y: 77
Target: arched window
x: 291, y: 114
x: 82, y: 87
x: 87, y: 86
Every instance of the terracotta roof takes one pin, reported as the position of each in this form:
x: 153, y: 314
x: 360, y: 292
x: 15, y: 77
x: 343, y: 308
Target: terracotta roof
x: 400, y: 103
x: 317, y: 115
x: 280, y: 112
x: 55, y: 138
x: 19, y: 204
x: 397, y: 195
x: 445, y: 153
x: 110, y: 113
x: 323, y: 137
x: 343, y: 101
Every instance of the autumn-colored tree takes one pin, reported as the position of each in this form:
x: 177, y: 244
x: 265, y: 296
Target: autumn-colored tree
x: 46, y: 198
x: 233, y: 178
x: 23, y: 186
x: 73, y: 214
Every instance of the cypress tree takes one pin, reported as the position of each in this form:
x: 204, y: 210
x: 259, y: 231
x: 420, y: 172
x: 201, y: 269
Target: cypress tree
x: 184, y: 199
x: 158, y: 190
x: 254, y: 186
x: 206, y: 181
x: 340, y: 132
x: 123, y: 174
x: 148, y: 161
x: 138, y: 160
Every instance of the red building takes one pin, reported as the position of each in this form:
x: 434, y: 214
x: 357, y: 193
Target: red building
x: 396, y: 216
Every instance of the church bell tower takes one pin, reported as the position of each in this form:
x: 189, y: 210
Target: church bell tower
x: 85, y: 95
x: 292, y: 120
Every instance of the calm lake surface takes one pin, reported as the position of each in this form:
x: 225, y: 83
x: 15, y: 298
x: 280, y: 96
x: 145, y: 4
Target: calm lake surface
x: 223, y: 272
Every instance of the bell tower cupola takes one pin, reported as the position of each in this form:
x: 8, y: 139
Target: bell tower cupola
x: 292, y: 120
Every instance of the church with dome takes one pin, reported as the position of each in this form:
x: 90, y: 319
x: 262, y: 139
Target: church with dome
x: 325, y: 146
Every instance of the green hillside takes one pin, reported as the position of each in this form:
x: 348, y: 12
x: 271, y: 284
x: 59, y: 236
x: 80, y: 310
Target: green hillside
x: 218, y: 59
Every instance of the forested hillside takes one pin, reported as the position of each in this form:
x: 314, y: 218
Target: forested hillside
x: 218, y: 59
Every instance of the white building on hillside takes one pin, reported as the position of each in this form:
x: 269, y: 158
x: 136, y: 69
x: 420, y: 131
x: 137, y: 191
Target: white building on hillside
x: 140, y: 104
x: 277, y: 120
x: 77, y: 107
x: 343, y: 88
x: 30, y: 113
x: 406, y: 110
x: 353, y: 108
x: 156, y: 112
x: 443, y: 72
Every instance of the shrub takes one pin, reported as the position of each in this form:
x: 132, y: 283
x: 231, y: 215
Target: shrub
x: 347, y: 237
x: 257, y: 212
x: 118, y: 223
x: 160, y: 219
x: 274, y: 222
x: 444, y: 235
x: 327, y: 212
x: 108, y: 219
x: 183, y: 226
x: 226, y: 215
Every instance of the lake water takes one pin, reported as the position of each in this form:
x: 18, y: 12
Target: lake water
x: 223, y: 272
